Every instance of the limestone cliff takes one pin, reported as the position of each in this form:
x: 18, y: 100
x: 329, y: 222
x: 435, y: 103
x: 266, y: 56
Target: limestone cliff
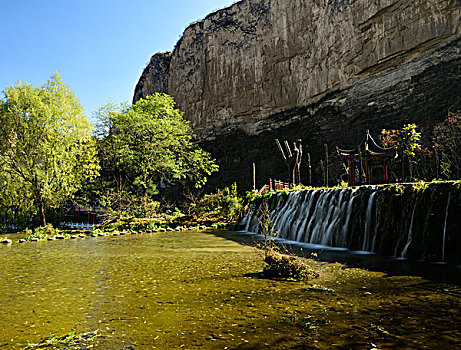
x: 322, y: 70
x: 154, y: 78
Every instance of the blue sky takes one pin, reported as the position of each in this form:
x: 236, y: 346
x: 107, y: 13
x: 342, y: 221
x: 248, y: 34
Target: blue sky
x: 99, y: 47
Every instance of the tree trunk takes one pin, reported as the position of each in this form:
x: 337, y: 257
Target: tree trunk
x: 299, y: 156
x: 41, y: 213
x: 326, y: 164
x: 286, y: 158
x: 322, y: 167
x: 254, y: 177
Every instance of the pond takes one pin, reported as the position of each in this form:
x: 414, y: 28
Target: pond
x: 201, y: 290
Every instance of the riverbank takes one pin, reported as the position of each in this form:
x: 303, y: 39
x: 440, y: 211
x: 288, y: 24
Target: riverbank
x: 121, y: 227
x: 202, y: 290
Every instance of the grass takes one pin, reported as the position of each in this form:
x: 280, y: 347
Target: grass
x: 71, y: 341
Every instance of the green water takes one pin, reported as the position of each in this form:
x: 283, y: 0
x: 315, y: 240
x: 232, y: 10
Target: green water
x: 197, y: 290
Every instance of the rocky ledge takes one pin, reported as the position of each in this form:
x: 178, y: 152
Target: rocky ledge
x: 324, y: 71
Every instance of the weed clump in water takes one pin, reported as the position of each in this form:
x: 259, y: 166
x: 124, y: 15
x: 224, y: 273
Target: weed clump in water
x: 71, y: 341
x: 287, y: 266
x: 279, y: 262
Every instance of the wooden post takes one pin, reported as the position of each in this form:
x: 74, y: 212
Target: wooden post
x: 254, y: 177
x: 367, y: 174
x: 326, y: 164
x: 386, y: 175
x: 351, y: 173
x: 292, y: 160
x: 299, y: 156
x: 370, y: 173
x: 436, y: 160
x: 322, y: 167
x: 361, y: 166
x: 285, y: 157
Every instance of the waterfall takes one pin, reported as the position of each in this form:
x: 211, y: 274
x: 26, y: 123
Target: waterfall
x: 387, y: 221
x: 445, y: 227
x: 345, y: 229
x: 282, y: 223
x: 366, y: 239
x: 309, y: 200
x: 334, y: 220
x: 410, y: 232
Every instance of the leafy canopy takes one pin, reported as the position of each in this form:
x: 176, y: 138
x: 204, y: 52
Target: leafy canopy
x: 447, y: 137
x: 46, y: 145
x: 149, y: 144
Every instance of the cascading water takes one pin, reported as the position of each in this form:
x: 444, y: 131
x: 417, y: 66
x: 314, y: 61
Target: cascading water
x: 395, y: 221
x: 410, y: 234
x: 445, y: 227
x: 368, y: 223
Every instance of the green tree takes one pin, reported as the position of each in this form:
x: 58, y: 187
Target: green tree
x: 46, y: 147
x: 407, y: 142
x: 447, y: 137
x: 112, y: 192
x: 151, y: 144
x: 410, y: 145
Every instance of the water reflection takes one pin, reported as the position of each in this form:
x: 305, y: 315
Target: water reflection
x: 194, y: 290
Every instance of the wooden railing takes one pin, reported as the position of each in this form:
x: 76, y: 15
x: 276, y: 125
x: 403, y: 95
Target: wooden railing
x: 274, y: 186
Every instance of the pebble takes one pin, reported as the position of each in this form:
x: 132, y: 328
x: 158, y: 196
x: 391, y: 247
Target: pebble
x: 50, y: 239
x: 7, y: 241
x: 162, y: 230
x: 169, y: 229
x: 73, y: 237
x: 81, y: 235
x: 60, y: 237
x: 116, y: 234
x: 21, y: 240
x: 101, y: 234
x: 122, y: 233
x: 94, y: 235
x: 35, y: 239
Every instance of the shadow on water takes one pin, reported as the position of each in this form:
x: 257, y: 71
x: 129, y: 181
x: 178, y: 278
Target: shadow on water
x: 436, y: 272
x: 202, y: 290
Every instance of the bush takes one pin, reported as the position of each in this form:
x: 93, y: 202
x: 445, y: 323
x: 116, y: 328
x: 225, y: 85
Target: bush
x: 42, y: 232
x: 224, y: 203
x: 287, y: 266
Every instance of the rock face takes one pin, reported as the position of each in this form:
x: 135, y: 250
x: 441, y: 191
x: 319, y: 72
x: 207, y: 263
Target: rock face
x: 324, y: 71
x: 154, y: 78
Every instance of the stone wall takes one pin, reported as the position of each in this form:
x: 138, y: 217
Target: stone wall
x: 324, y: 71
